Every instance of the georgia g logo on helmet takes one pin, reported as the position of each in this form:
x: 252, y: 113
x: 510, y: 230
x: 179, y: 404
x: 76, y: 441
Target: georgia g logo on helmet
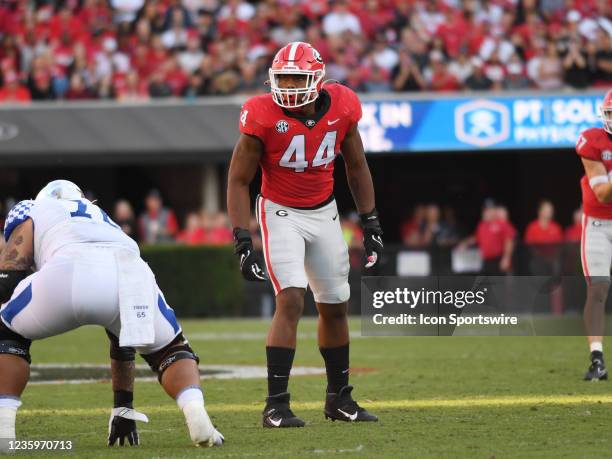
x: 306, y: 65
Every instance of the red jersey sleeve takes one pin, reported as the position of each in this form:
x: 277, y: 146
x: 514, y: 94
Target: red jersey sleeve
x: 354, y: 105
x: 348, y: 104
x: 249, y: 122
x: 586, y: 146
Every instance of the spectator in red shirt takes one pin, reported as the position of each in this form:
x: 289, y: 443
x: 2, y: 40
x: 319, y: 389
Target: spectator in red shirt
x: 495, y: 238
x: 157, y: 223
x: 219, y: 232
x: 543, y: 237
x: 175, y: 77
x: 374, y: 16
x: 439, y: 78
x: 134, y: 90
x: 544, y: 230
x: 13, y: 92
x: 573, y: 233
x: 194, y: 233
x: 95, y: 15
x: 77, y: 89
x: 454, y: 31
x: 64, y: 22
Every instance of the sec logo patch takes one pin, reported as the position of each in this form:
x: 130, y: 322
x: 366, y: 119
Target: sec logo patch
x: 282, y: 126
x: 606, y: 155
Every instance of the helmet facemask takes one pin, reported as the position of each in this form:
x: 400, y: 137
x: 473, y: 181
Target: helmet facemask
x: 606, y: 116
x: 295, y: 97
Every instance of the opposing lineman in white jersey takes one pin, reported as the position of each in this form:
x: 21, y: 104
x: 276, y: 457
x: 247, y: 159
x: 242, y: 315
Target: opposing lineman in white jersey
x: 87, y: 271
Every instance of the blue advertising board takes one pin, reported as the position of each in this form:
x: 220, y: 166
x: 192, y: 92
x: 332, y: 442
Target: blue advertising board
x: 477, y: 123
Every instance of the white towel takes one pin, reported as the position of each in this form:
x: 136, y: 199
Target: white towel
x: 136, y: 300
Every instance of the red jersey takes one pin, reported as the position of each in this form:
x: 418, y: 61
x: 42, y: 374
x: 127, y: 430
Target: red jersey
x: 299, y: 151
x: 538, y: 234
x: 574, y: 233
x: 491, y: 237
x: 595, y: 144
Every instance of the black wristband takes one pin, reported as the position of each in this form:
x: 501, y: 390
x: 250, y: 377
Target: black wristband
x: 241, y: 234
x: 123, y: 398
x: 369, y: 216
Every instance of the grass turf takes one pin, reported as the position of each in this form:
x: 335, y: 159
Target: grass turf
x: 436, y: 397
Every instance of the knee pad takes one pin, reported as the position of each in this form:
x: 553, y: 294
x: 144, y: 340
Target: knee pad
x: 123, y: 354
x: 177, y: 349
x: 14, y: 344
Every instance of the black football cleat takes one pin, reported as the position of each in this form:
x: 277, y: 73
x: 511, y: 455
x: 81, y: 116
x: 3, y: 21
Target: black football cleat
x: 278, y: 414
x: 597, y: 371
x: 342, y: 407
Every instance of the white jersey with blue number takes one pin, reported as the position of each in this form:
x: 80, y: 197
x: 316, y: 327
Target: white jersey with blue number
x: 59, y: 223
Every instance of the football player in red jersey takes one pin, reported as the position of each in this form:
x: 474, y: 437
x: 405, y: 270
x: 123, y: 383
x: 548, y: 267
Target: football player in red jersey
x: 294, y: 135
x: 595, y: 149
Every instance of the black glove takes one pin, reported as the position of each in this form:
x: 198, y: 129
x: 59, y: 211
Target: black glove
x: 122, y: 425
x: 251, y: 265
x: 372, y: 240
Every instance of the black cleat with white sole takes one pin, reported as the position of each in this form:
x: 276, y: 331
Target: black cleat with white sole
x: 342, y: 407
x: 597, y: 371
x: 278, y: 414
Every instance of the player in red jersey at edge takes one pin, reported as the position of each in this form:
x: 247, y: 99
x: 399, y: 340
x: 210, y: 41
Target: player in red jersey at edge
x: 294, y: 135
x: 595, y: 149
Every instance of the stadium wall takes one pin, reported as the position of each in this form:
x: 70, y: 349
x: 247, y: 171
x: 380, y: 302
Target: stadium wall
x: 108, y: 132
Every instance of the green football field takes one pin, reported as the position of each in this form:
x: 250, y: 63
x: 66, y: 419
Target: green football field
x: 470, y: 397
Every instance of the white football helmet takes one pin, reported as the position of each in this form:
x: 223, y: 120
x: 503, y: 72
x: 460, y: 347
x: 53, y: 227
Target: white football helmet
x: 60, y: 189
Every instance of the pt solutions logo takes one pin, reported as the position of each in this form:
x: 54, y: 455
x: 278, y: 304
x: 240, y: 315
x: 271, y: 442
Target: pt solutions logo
x: 482, y: 123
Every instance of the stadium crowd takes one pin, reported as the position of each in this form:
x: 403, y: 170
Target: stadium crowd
x: 134, y: 50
